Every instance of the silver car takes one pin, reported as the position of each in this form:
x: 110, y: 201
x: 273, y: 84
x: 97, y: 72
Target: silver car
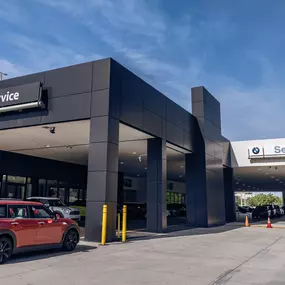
x: 58, y: 207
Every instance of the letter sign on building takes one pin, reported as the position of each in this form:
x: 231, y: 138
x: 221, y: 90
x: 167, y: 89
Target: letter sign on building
x: 21, y: 97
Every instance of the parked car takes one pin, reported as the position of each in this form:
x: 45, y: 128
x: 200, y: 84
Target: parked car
x: 273, y: 211
x: 27, y: 226
x: 81, y: 205
x: 278, y: 211
x: 282, y: 210
x: 248, y: 209
x: 176, y: 210
x: 262, y: 212
x: 242, y: 213
x: 58, y: 207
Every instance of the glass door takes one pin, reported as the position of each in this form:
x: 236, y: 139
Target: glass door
x: 15, y: 191
x: 15, y: 187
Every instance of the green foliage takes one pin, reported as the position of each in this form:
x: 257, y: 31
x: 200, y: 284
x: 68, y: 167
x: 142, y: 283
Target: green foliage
x: 238, y: 200
x: 264, y: 199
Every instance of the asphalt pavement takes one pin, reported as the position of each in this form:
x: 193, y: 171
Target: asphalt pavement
x: 225, y: 255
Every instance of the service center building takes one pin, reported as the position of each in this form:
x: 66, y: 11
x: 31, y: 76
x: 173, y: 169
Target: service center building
x: 82, y: 133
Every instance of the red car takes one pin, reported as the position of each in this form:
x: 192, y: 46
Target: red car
x: 26, y: 226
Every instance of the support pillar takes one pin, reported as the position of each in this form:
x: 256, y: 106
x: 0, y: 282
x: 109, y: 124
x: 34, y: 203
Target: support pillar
x: 156, y: 185
x: 196, y: 197
x: 229, y: 194
x: 120, y: 197
x: 102, y: 181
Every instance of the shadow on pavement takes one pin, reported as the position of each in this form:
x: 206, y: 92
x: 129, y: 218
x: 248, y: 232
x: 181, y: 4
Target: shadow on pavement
x: 179, y: 231
x: 44, y: 254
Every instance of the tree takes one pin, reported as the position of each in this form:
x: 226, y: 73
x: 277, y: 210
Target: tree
x: 238, y: 200
x: 264, y: 199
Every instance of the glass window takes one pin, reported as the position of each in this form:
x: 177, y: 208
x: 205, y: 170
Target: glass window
x: 16, y: 179
x: 82, y: 194
x: 183, y: 199
x: 55, y: 203
x: 29, y: 191
x: 22, y: 191
x: 3, y: 186
x: 178, y: 198
x: 73, y: 195
x: 52, y: 192
x: 52, y: 188
x: 3, y: 211
x: 167, y: 197
x: 11, y: 191
x: 61, y: 194
x: 130, y: 195
x: 172, y: 198
x: 42, y: 187
x: 39, y: 212
x: 18, y: 212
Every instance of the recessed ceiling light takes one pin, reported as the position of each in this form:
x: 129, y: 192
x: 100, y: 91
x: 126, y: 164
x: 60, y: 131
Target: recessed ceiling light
x: 134, y: 152
x: 47, y: 145
x: 266, y: 173
x: 259, y: 169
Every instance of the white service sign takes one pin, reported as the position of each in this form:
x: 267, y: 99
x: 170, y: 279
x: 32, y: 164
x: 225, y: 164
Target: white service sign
x: 267, y: 150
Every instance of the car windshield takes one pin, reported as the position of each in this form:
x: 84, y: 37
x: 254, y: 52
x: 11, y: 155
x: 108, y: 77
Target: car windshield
x: 56, y: 203
x: 262, y: 208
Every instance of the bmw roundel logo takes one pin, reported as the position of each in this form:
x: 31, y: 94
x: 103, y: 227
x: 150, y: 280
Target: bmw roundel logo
x: 256, y: 150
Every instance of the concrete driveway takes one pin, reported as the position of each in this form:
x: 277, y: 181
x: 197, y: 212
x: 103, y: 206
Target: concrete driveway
x: 224, y: 255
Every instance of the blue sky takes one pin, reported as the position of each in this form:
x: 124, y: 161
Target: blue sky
x: 234, y: 48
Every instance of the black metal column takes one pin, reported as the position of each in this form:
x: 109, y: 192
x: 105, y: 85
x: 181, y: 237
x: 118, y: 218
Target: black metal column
x: 156, y: 185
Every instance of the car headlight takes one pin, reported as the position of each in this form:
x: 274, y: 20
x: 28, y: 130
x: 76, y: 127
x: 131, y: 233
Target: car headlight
x: 66, y: 211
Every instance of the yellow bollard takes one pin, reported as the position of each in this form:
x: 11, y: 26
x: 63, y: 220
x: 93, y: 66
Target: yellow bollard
x: 124, y: 228
x: 104, y: 225
x: 119, y: 226
x: 246, y: 222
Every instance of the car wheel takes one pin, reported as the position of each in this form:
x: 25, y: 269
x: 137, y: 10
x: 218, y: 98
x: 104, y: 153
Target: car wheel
x: 70, y: 240
x: 6, y: 249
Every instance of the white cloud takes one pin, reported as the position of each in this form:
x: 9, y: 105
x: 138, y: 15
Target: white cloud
x: 162, y: 52
x: 40, y: 56
x: 11, y: 69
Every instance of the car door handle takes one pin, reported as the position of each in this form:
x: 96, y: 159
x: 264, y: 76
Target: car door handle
x: 15, y: 223
x: 41, y: 223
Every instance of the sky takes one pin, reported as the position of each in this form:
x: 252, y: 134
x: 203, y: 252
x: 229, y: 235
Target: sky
x: 233, y: 48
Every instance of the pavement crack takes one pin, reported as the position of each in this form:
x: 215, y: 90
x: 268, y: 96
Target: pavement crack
x: 228, y: 274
